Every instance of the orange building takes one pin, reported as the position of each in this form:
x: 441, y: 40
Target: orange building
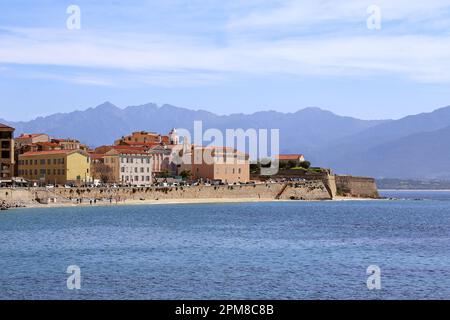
x: 218, y: 163
x: 296, y: 159
x: 142, y: 138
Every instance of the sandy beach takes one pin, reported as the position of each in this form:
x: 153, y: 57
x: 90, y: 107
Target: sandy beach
x: 131, y: 202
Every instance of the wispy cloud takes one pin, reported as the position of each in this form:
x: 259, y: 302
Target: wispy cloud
x: 179, y: 60
x: 311, y: 13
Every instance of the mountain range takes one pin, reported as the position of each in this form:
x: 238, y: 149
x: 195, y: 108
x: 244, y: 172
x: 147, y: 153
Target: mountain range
x: 416, y: 146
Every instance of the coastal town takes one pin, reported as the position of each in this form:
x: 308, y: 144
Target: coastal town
x: 149, y: 160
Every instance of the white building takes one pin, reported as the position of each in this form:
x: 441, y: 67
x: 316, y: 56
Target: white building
x: 130, y: 166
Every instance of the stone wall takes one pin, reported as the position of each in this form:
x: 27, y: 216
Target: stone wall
x: 356, y: 187
x: 307, y: 190
x: 325, y: 176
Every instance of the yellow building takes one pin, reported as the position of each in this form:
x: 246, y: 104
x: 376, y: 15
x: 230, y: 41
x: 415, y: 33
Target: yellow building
x: 56, y: 166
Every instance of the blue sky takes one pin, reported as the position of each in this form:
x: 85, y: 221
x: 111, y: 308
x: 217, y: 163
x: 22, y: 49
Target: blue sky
x: 225, y: 56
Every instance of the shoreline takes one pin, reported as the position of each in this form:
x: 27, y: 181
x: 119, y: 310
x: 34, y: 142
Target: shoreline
x: 183, y: 202
x: 413, y: 190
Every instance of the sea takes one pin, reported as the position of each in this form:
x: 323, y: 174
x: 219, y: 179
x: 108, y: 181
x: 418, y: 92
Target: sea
x: 397, y: 248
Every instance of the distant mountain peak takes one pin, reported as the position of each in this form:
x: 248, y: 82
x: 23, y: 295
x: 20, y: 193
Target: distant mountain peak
x: 106, y: 105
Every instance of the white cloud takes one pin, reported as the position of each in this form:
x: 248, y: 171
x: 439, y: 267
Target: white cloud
x: 310, y: 13
x: 171, y: 60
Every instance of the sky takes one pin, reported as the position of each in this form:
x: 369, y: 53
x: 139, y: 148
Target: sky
x: 349, y: 57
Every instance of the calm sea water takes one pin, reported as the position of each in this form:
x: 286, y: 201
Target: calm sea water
x: 288, y: 250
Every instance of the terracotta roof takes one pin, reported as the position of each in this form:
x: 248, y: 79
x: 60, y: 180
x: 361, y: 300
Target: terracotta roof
x: 129, y: 151
x: 66, y: 140
x: 49, y: 144
x: 128, y: 148
x: 289, y: 156
x: 133, y: 143
x: 39, y: 153
x: 96, y: 156
x: 4, y: 126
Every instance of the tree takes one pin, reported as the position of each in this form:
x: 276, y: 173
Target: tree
x: 290, y: 164
x: 164, y: 174
x: 102, y: 172
x: 185, y: 174
x: 255, y: 167
x: 305, y: 164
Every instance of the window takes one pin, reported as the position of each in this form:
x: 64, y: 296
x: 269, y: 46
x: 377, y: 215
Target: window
x: 42, y: 162
x: 49, y: 161
x: 122, y: 169
x: 54, y: 161
x: 48, y: 172
x: 142, y: 170
x: 35, y: 162
x: 59, y: 172
x: 5, y: 135
x: 6, y: 154
x: 6, y: 144
x: 136, y: 178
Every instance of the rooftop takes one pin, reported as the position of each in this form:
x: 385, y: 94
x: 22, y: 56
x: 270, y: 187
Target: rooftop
x: 4, y: 126
x: 289, y: 156
x: 50, y: 152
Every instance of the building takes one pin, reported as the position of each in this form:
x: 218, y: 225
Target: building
x: 56, y: 166
x: 129, y: 166
x: 218, y: 163
x: 26, y: 139
x: 293, y: 159
x: 68, y: 144
x: 6, y: 153
x: 143, y: 138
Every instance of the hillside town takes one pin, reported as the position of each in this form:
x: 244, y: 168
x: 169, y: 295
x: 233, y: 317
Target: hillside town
x: 148, y: 167
x: 139, y: 159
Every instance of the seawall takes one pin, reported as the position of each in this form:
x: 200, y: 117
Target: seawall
x: 306, y: 190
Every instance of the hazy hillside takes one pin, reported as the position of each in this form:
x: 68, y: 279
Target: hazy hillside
x: 393, y: 149
x: 424, y: 155
x: 301, y: 131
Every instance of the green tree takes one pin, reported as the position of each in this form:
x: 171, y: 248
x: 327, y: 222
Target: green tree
x: 305, y: 164
x: 185, y: 174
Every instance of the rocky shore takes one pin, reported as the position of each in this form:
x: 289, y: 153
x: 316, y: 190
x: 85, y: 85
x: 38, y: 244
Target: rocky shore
x: 5, y: 205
